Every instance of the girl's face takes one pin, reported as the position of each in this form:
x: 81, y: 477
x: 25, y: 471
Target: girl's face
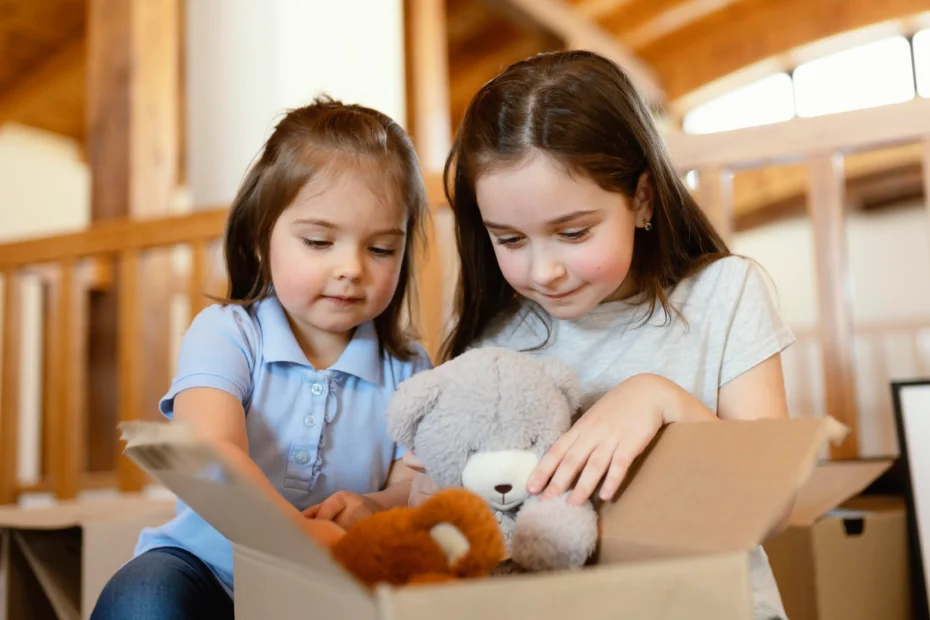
x: 336, y: 254
x: 560, y: 239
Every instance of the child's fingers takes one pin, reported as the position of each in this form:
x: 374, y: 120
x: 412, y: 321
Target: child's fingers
x: 331, y: 508
x: 550, y: 462
x: 568, y: 470
x: 410, y: 460
x: 312, y: 511
x: 619, y: 466
x: 593, y: 472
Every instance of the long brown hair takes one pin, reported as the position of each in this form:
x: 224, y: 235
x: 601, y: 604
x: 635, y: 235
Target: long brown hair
x: 581, y: 109
x: 325, y: 135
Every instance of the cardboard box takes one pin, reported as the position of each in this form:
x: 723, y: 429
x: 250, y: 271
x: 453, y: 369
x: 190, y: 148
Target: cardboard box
x: 844, y: 557
x: 55, y: 560
x: 674, y: 545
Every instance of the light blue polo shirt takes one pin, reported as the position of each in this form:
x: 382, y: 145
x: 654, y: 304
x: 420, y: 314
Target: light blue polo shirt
x: 311, y: 432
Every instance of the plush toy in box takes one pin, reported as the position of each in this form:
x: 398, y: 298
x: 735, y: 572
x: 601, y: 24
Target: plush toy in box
x: 483, y: 421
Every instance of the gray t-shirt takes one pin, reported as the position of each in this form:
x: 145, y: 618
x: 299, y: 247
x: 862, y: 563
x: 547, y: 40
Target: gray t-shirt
x: 731, y: 324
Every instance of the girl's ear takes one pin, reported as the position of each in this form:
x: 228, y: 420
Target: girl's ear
x: 643, y: 199
x: 413, y: 399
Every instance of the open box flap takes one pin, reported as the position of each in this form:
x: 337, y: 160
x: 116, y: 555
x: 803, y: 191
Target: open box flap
x: 213, y: 487
x: 76, y: 513
x: 831, y: 484
x: 714, y: 486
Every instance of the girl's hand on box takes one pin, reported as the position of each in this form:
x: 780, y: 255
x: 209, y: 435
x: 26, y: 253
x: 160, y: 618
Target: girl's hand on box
x: 602, y: 445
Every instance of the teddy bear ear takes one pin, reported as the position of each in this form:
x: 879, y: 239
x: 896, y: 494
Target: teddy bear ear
x: 414, y: 398
x: 565, y: 379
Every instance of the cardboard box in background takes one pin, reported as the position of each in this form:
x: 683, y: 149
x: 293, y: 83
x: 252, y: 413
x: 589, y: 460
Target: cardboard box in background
x: 844, y: 557
x: 55, y: 560
x: 674, y: 545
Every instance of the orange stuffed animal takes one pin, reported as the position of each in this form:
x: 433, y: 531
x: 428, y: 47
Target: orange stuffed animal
x: 452, y: 535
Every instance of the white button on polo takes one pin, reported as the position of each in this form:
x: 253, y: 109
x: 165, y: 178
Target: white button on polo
x: 316, y: 389
x: 309, y: 420
x: 302, y: 457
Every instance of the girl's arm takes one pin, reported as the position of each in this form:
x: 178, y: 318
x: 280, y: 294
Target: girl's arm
x: 217, y: 417
x: 758, y: 393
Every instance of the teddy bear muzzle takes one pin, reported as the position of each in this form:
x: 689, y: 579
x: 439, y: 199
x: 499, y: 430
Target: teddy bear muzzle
x: 500, y: 476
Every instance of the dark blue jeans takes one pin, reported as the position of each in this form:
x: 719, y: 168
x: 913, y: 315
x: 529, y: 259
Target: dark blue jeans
x: 163, y: 584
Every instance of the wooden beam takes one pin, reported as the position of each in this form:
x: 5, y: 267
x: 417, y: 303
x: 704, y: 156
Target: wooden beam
x: 925, y: 160
x: 559, y: 18
x: 645, y: 22
x: 10, y: 375
x: 597, y: 9
x: 750, y: 31
x: 428, y: 91
x: 112, y: 237
x: 19, y: 98
x: 834, y: 295
x: 133, y: 113
x: 786, y: 142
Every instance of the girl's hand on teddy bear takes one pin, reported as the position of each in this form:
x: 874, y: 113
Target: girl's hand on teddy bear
x: 602, y: 444
x: 343, y: 508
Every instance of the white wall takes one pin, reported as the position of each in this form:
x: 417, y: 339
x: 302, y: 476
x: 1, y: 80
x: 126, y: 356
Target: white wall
x: 889, y: 258
x: 248, y: 62
x: 45, y: 189
x: 45, y: 184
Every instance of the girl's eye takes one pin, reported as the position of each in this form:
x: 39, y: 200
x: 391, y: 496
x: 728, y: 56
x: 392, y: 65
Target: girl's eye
x: 509, y: 241
x: 316, y: 243
x: 383, y: 251
x: 575, y: 235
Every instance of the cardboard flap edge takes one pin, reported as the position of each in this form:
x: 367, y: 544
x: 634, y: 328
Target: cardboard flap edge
x: 831, y: 484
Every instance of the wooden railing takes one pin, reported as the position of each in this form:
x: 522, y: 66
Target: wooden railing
x: 820, y: 144
x: 69, y: 267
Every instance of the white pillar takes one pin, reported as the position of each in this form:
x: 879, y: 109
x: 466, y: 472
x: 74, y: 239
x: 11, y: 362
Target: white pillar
x: 248, y: 61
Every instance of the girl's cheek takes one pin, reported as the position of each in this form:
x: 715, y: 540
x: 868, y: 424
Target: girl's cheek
x: 596, y: 263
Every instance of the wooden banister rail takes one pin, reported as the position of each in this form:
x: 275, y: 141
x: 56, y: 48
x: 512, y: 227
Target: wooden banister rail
x: 115, y: 237
x: 68, y: 265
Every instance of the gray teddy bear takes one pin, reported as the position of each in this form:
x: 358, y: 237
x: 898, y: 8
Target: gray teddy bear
x: 482, y: 421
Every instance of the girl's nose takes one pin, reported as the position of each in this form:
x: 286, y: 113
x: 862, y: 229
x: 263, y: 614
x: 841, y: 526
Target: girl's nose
x: 546, y: 271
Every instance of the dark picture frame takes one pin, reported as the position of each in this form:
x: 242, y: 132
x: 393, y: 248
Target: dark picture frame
x: 912, y: 420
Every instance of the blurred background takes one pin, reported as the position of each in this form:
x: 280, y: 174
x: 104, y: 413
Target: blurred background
x: 126, y: 125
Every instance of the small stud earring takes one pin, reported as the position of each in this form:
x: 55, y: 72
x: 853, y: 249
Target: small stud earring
x: 648, y: 226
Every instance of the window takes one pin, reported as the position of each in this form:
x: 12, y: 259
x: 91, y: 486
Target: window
x: 864, y: 76
x: 922, y: 62
x: 770, y: 100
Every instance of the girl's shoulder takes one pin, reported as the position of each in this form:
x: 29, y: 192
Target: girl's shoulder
x: 219, y: 325
x: 728, y: 281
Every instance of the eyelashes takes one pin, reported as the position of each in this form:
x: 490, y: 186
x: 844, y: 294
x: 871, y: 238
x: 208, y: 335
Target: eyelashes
x: 571, y: 236
x: 318, y: 244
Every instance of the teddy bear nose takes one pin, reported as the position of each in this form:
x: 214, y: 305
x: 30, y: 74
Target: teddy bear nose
x: 503, y: 488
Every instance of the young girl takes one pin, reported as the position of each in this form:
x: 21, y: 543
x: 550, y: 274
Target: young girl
x: 582, y: 243
x: 290, y: 378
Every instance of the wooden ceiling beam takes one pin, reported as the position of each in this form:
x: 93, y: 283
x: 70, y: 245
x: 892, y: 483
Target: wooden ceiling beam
x: 562, y: 20
x: 16, y: 100
x: 665, y: 17
x: 750, y: 31
x: 598, y: 9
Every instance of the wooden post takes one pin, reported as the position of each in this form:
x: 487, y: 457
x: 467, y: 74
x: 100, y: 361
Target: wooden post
x: 715, y: 196
x: 428, y: 111
x: 925, y: 160
x: 825, y: 202
x: 132, y: 134
x: 9, y: 386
